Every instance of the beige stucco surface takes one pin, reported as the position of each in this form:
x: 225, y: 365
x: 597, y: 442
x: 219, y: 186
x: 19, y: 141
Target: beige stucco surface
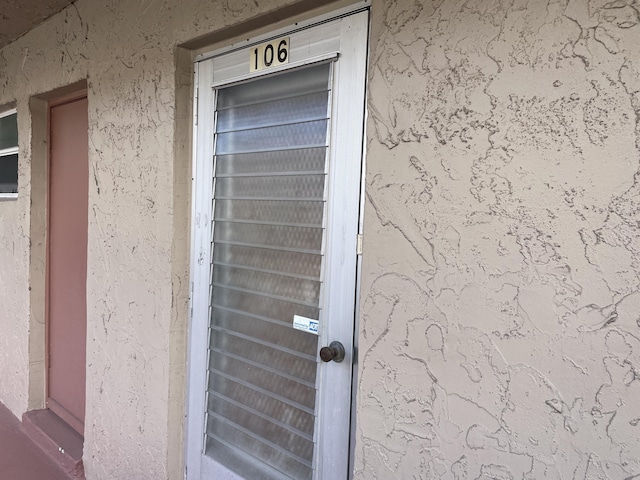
x: 500, y: 323
x: 18, y: 18
x: 137, y: 285
x: 499, y: 327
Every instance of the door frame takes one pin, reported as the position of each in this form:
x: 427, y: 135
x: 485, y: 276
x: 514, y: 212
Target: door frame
x: 201, y: 228
x: 55, y: 102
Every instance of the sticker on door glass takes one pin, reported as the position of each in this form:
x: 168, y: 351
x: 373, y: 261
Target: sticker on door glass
x: 269, y: 54
x: 305, y: 324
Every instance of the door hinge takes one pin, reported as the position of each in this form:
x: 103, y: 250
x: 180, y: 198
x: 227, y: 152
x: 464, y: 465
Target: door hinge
x: 359, y: 244
x: 191, y: 303
x: 197, y: 104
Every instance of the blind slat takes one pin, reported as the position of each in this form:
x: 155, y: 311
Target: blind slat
x: 268, y: 235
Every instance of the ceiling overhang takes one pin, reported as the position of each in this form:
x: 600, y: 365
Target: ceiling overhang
x: 17, y: 17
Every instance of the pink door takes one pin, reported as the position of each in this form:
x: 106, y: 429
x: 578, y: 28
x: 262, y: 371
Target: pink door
x: 67, y: 261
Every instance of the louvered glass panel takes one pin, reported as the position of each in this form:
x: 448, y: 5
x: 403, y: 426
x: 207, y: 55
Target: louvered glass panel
x: 263, y: 426
x: 303, y: 108
x: 270, y: 406
x: 270, y: 383
x: 237, y: 441
x: 299, y: 82
x: 298, y: 186
x: 269, y: 203
x: 301, y: 212
x: 288, y: 262
x: 297, y: 135
x: 267, y: 356
x: 272, y: 163
x: 267, y: 333
x: 278, y: 237
x: 295, y: 288
x: 261, y: 306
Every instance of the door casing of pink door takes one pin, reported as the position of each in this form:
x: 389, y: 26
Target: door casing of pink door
x: 67, y: 259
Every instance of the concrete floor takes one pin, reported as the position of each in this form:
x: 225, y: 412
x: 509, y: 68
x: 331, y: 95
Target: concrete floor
x: 20, y: 458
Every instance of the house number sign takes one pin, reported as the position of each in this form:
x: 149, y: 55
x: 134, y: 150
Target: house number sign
x: 269, y: 54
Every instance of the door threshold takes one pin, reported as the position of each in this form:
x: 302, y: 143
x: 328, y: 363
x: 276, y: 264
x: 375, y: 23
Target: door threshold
x: 56, y: 439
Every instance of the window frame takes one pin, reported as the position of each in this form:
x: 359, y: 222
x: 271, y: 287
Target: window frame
x: 10, y: 151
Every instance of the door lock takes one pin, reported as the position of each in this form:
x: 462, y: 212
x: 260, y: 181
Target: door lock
x: 335, y: 352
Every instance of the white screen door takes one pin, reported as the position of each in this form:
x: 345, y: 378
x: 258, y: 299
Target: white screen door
x: 276, y: 205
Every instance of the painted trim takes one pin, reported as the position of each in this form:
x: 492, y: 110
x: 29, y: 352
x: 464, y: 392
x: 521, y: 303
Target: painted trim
x: 6, y: 113
x: 200, y: 228
x: 9, y: 151
x: 67, y: 417
x: 68, y: 98
x: 347, y: 134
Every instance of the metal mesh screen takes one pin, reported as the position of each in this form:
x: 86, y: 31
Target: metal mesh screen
x: 270, y: 149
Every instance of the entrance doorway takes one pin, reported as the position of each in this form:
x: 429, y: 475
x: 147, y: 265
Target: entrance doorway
x: 274, y: 263
x: 67, y: 260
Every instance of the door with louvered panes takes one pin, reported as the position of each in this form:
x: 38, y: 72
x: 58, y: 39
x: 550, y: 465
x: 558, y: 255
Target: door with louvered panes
x: 277, y: 200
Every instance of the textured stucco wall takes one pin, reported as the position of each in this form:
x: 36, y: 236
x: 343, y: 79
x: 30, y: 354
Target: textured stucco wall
x: 137, y: 283
x: 499, y: 332
x: 500, y: 323
x: 14, y: 303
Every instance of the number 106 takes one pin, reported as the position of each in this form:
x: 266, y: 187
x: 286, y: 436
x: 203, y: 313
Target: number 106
x: 270, y: 54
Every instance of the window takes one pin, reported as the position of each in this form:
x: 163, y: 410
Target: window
x: 8, y: 154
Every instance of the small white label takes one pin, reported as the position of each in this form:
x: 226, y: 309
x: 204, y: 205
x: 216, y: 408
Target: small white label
x: 305, y: 324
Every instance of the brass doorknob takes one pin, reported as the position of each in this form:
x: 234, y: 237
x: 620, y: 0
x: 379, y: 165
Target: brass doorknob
x: 335, y: 352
